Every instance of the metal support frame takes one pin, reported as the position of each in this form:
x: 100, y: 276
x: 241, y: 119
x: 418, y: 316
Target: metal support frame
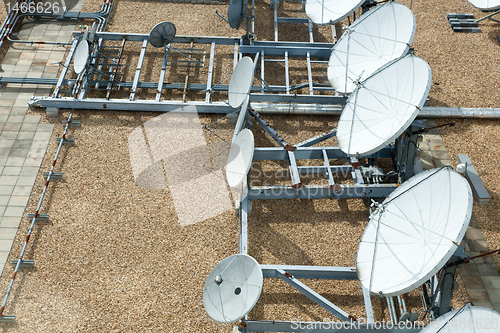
x: 273, y: 95
x: 138, y: 70
x: 303, y: 150
x: 329, y: 306
x: 161, y: 81
x: 467, y: 23
x: 323, y: 327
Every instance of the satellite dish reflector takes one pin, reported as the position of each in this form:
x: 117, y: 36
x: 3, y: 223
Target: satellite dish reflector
x: 379, y: 36
x: 162, y: 34
x: 92, y: 32
x: 86, y: 33
x: 240, y: 158
x: 486, y: 4
x: 414, y: 232
x: 232, y: 288
x: 236, y: 12
x: 241, y: 82
x: 81, y: 56
x: 324, y: 12
x: 469, y: 319
x: 383, y: 106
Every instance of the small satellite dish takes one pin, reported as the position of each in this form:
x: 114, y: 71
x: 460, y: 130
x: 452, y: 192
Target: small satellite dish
x: 86, y: 33
x: 236, y: 12
x: 325, y: 12
x: 240, y: 158
x: 486, y: 4
x: 383, y: 106
x: 414, y: 232
x: 241, y: 82
x: 81, y: 56
x: 468, y: 319
x: 162, y: 34
x: 379, y: 36
x: 232, y: 288
x: 92, y: 32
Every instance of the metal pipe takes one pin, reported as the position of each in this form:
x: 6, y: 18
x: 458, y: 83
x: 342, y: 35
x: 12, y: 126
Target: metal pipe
x: 389, y: 309
x: 33, y: 221
x: 393, y: 309
x: 31, y: 42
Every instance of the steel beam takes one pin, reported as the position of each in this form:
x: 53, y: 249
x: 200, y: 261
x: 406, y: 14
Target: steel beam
x: 317, y: 139
x: 210, y: 72
x: 62, y: 76
x: 294, y: 172
x: 161, y: 81
x: 344, y: 170
x: 126, y: 105
x: 328, y: 171
x: 310, y: 153
x: 312, y: 272
x: 314, y: 296
x: 368, y: 305
x: 324, y: 327
x: 244, y: 225
x: 138, y: 69
x: 318, y: 192
x: 177, y: 39
x: 294, y: 49
x: 269, y: 130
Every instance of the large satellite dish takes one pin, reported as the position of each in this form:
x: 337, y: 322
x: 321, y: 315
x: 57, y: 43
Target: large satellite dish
x: 241, y: 82
x: 240, y: 158
x: 379, y: 36
x: 324, y: 12
x: 414, y: 232
x: 236, y: 12
x: 469, y: 319
x: 486, y: 4
x: 383, y: 106
x: 232, y: 288
x: 81, y: 56
x: 162, y: 34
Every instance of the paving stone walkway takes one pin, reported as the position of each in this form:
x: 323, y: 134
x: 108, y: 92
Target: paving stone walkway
x: 480, y: 277
x: 23, y: 139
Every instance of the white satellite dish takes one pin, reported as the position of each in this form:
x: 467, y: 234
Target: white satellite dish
x: 81, y: 56
x: 236, y: 12
x: 162, y: 34
x: 241, y: 82
x: 469, y: 319
x: 86, y: 33
x: 232, y: 288
x: 92, y: 32
x: 486, y: 4
x: 324, y: 12
x: 414, y: 232
x: 383, y: 106
x: 240, y: 158
x: 379, y: 36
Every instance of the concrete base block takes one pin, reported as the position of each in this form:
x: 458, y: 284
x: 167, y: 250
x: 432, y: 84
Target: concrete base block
x: 52, y: 112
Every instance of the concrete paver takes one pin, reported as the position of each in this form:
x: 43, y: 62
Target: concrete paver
x: 4, y: 200
x: 21, y: 190
x: 10, y: 222
x: 14, y: 211
x: 19, y: 200
x: 23, y: 140
x: 6, y: 189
